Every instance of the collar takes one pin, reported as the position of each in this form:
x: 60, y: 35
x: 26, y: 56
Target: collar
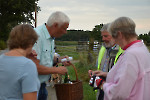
x: 114, y: 46
x: 128, y: 45
x: 47, y: 34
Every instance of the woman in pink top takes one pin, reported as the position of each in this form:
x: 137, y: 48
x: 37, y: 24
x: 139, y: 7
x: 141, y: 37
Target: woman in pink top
x: 129, y: 79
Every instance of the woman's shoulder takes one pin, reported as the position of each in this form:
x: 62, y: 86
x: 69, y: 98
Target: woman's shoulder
x: 28, y: 66
x: 29, y: 61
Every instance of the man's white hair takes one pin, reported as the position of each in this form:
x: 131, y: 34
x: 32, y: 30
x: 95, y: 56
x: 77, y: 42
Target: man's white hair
x: 58, y: 17
x: 105, y: 27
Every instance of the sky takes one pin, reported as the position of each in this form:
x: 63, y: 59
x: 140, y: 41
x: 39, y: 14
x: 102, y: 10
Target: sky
x: 86, y: 14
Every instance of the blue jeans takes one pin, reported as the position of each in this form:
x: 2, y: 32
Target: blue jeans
x: 43, y: 92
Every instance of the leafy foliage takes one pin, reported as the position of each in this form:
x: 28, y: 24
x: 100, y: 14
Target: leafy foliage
x: 80, y: 35
x: 2, y: 45
x: 75, y: 35
x: 145, y: 37
x: 13, y: 12
x: 96, y: 33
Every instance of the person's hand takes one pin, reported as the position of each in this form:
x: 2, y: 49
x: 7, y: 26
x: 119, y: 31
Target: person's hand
x: 90, y: 73
x: 101, y: 86
x: 32, y: 54
x: 62, y: 70
x: 65, y: 63
x: 99, y: 73
x: 59, y: 60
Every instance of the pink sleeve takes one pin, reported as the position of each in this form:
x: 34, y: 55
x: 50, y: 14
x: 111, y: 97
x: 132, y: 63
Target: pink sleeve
x: 125, y: 75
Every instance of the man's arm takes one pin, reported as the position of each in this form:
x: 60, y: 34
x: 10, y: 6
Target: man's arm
x: 30, y: 96
x: 43, y: 70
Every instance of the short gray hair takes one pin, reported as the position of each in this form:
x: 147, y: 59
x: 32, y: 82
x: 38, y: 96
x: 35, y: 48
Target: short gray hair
x: 124, y: 25
x: 105, y: 27
x: 58, y: 17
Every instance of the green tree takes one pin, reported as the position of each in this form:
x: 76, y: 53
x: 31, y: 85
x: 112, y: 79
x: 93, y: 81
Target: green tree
x: 96, y: 33
x: 145, y: 37
x: 149, y: 33
x: 75, y: 35
x: 13, y: 12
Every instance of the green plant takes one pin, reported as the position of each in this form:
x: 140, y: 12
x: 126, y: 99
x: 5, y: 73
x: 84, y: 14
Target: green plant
x: 2, y: 45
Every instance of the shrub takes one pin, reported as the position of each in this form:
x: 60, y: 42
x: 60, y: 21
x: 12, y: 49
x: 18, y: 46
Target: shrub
x: 83, y: 66
x: 2, y: 45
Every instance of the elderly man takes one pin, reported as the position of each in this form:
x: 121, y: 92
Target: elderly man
x: 108, y: 55
x: 129, y: 79
x: 55, y: 27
